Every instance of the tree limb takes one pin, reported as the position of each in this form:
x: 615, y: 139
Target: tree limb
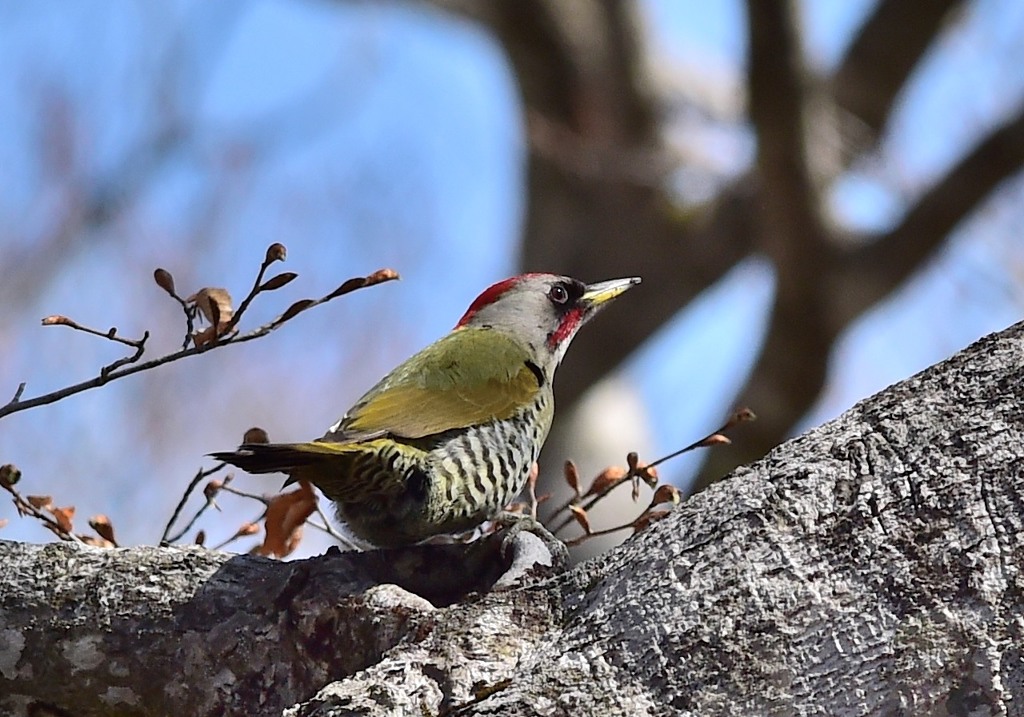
x: 872, y: 565
x: 886, y: 50
x: 790, y: 232
x: 874, y: 270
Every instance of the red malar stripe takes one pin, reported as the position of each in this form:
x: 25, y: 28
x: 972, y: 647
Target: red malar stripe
x: 570, y: 322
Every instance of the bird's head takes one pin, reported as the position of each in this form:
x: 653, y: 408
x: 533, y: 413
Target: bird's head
x: 542, y: 311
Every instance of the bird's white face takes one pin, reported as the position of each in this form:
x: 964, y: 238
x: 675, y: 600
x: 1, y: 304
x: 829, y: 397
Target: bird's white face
x: 544, y: 311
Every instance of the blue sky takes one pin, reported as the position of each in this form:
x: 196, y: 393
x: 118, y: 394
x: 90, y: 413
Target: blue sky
x: 367, y: 135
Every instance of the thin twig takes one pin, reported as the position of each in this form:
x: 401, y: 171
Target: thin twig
x: 716, y: 437
x: 110, y: 334
x: 123, y: 371
x: 595, y: 533
x: 199, y: 476
x: 237, y: 316
x: 49, y: 522
x: 139, y: 349
x: 742, y: 415
x: 607, y: 531
x: 165, y: 281
x: 569, y: 519
x: 331, y: 530
x: 190, y: 319
x: 245, y: 494
x: 239, y: 533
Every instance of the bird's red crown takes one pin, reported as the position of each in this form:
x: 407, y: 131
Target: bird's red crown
x: 491, y: 294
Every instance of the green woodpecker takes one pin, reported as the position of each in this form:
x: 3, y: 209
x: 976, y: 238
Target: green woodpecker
x: 447, y: 439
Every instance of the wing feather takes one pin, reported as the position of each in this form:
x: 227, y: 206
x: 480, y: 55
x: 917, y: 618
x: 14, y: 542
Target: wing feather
x: 471, y: 376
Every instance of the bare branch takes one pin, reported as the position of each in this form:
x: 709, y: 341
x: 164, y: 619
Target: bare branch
x: 19, y: 392
x: 599, y: 489
x: 889, y: 259
x: 244, y: 531
x: 26, y: 507
x: 887, y: 49
x: 119, y: 369
x: 110, y: 334
x: 328, y: 528
x: 275, y: 252
x: 200, y: 475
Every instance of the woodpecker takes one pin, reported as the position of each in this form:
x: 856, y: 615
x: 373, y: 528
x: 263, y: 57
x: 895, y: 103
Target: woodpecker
x: 447, y: 439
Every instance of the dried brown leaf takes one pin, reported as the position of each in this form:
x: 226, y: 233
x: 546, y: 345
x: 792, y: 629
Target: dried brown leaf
x: 572, y: 477
x: 214, y: 304
x: 276, y: 282
x: 200, y: 538
x: 286, y: 514
x: 581, y: 517
x: 40, y: 502
x: 63, y: 516
x: 605, y: 480
x: 275, y: 252
x: 666, y: 494
x: 201, y: 338
x: 164, y: 280
x: 101, y: 524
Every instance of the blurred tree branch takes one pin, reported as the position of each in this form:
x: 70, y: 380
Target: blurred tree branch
x: 885, y: 262
x: 580, y: 71
x: 885, y: 52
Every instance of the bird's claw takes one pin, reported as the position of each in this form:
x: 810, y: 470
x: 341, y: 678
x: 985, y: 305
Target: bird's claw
x: 516, y: 523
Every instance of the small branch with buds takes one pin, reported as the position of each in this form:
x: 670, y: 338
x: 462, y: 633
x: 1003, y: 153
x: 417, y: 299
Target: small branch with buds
x: 611, y: 478
x: 165, y: 281
x: 282, y: 516
x: 210, y: 491
x: 212, y: 304
x: 57, y: 520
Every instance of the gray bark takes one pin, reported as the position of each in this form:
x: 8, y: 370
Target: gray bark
x: 870, y: 566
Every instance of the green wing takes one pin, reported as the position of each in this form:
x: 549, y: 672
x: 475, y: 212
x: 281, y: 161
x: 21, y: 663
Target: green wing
x: 471, y: 376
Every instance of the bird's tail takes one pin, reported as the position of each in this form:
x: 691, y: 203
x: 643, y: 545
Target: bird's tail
x: 283, y: 457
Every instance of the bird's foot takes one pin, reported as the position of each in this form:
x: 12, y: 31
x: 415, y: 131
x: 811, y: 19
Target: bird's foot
x: 517, y: 523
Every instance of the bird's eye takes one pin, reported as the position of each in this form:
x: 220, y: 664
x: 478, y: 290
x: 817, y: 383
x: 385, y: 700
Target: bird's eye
x: 558, y: 294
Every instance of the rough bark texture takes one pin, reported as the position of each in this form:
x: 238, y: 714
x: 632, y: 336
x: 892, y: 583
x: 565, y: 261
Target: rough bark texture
x: 870, y: 566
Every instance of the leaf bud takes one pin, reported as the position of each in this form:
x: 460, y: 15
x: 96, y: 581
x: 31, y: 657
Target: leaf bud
x: 275, y: 252
x: 164, y: 280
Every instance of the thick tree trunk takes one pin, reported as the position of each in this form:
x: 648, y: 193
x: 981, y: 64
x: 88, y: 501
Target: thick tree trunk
x: 871, y: 566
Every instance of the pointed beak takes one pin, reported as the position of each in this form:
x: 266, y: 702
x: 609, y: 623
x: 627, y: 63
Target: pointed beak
x: 597, y: 295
